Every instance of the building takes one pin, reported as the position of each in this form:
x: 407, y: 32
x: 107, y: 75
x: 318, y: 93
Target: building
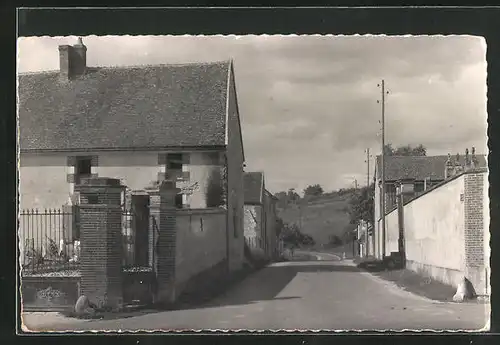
x: 424, y: 172
x: 443, y: 231
x: 140, y: 124
x: 260, y: 218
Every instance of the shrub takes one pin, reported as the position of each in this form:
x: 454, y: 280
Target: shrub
x: 215, y: 189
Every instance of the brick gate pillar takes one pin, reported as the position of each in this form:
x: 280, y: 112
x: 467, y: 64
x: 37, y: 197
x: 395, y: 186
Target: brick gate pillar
x: 166, y: 249
x: 474, y: 230
x: 101, y: 241
x: 154, y: 227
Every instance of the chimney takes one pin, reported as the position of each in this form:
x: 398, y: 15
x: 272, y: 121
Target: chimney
x: 448, y: 170
x: 474, y: 161
x: 467, y: 159
x: 72, y: 60
x: 458, y: 166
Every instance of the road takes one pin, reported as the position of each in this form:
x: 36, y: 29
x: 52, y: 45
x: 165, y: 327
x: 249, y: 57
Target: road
x: 327, y: 294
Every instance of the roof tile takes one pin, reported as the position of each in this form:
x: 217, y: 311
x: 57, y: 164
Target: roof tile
x: 253, y: 186
x: 124, y: 108
x: 419, y: 167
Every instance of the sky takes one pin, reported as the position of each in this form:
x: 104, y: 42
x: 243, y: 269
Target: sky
x: 308, y: 104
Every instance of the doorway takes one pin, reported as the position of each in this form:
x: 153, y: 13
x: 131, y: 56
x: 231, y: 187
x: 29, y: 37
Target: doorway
x: 140, y: 228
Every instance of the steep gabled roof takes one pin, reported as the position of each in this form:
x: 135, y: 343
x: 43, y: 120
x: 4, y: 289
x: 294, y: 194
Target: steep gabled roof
x: 419, y: 167
x: 253, y: 183
x: 271, y: 195
x: 144, y: 107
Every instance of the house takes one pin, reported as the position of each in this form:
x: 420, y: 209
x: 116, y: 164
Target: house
x: 260, y: 217
x: 141, y: 124
x: 424, y: 172
x: 271, y: 215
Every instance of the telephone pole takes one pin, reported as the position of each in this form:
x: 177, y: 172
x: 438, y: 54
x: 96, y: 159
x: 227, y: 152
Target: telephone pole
x: 368, y: 188
x: 382, y: 160
x: 368, y: 167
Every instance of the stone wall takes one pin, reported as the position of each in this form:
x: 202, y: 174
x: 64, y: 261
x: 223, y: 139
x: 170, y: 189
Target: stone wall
x: 446, y: 230
x: 192, y: 244
x: 200, y: 243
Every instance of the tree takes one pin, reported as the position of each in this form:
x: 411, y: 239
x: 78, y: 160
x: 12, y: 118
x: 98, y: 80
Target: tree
x: 292, y: 196
x: 361, y: 205
x: 293, y: 237
x: 313, y: 190
x: 282, y: 199
x: 280, y: 225
x: 335, y: 241
x: 406, y: 150
x: 215, y: 190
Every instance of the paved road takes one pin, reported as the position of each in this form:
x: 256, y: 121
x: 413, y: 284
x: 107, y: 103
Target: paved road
x: 327, y: 294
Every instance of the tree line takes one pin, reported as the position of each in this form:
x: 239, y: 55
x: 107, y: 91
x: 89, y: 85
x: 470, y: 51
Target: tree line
x: 360, y: 201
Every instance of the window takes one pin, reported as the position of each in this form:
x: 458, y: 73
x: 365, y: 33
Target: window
x: 179, y: 200
x: 213, y: 158
x: 174, y: 161
x: 83, y: 168
x: 419, y: 187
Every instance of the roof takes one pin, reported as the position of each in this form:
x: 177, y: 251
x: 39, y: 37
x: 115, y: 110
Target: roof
x: 419, y: 167
x: 271, y: 195
x: 144, y: 107
x: 253, y: 184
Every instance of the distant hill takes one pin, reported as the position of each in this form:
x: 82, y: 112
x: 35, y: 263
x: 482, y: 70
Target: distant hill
x: 321, y: 218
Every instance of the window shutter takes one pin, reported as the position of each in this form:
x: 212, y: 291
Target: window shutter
x: 94, y: 161
x: 162, y: 159
x: 71, y: 161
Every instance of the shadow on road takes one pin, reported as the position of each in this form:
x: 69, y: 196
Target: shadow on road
x: 266, y: 284
x: 262, y: 285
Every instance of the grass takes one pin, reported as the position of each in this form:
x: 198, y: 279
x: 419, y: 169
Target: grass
x: 321, y: 218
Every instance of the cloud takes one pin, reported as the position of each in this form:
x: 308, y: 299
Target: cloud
x: 309, y: 103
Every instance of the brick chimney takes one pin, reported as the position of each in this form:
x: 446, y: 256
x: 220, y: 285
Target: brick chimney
x: 72, y: 60
x: 459, y: 168
x: 449, y: 168
x: 474, y: 161
x: 467, y: 159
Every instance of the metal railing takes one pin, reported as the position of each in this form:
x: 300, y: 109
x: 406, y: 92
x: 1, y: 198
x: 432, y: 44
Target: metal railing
x: 138, y: 251
x: 49, y: 241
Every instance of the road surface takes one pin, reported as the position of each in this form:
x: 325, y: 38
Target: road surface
x: 327, y: 294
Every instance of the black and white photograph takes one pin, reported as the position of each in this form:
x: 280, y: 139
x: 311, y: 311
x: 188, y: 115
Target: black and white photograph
x: 253, y: 183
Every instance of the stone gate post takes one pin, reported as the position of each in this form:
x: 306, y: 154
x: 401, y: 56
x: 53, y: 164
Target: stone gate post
x: 101, y: 241
x: 154, y: 227
x: 166, y: 251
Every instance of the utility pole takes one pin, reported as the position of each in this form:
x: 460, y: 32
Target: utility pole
x: 368, y: 188
x: 368, y: 167
x: 355, y: 184
x: 384, y: 92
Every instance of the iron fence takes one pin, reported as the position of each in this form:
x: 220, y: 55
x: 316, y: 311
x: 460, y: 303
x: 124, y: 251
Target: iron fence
x: 49, y: 240
x: 139, y: 234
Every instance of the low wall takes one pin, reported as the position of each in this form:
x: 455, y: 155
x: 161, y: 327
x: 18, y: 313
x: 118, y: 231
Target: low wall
x: 441, y: 230
x: 44, y: 293
x: 200, y: 244
x: 392, y: 232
